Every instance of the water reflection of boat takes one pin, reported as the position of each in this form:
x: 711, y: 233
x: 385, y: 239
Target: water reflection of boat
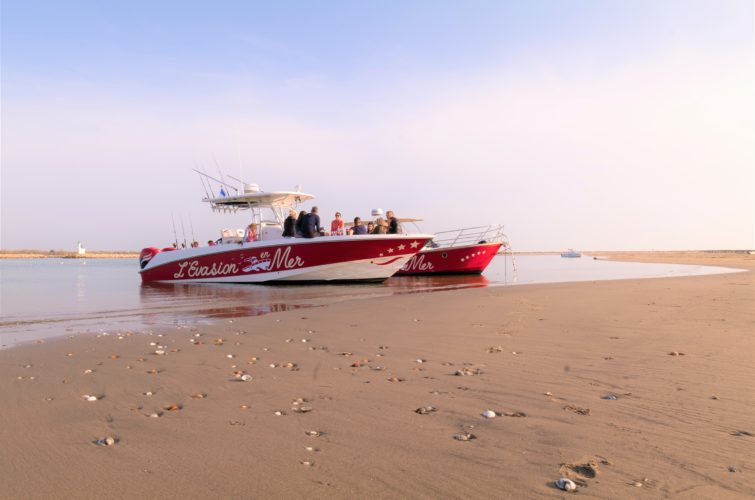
x: 217, y: 301
x: 461, y: 251
x: 435, y: 282
x: 571, y: 254
x: 167, y: 300
x: 266, y: 255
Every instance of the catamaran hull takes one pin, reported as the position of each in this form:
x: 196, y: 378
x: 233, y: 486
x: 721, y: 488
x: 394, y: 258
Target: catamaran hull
x: 287, y: 260
x: 467, y: 259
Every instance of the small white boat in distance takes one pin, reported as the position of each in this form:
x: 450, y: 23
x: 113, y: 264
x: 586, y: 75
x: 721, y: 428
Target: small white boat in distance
x: 270, y: 257
x: 571, y: 254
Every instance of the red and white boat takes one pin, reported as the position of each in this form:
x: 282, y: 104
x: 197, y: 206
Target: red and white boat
x: 273, y: 258
x: 461, y: 251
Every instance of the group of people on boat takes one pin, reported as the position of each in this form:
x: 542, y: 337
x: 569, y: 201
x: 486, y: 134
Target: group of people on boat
x: 307, y: 225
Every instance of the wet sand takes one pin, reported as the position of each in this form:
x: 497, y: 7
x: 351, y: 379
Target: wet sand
x: 677, y: 354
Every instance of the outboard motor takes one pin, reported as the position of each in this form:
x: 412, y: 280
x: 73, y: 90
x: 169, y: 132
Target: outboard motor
x: 146, y: 255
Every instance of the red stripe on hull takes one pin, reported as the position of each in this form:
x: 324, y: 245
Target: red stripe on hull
x: 471, y: 259
x: 283, y: 259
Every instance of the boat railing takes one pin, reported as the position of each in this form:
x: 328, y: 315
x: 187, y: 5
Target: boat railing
x: 468, y: 236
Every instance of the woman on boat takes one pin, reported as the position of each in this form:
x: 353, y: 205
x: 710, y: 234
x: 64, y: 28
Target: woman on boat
x: 289, y: 225
x: 301, y: 221
x: 251, y: 232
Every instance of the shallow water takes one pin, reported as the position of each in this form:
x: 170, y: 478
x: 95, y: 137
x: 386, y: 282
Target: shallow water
x: 42, y: 298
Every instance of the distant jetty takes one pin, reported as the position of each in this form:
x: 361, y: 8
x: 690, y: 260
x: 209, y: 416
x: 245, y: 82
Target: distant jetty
x: 61, y: 254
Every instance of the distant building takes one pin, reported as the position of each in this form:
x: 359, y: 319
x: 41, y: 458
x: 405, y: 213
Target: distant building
x: 82, y: 250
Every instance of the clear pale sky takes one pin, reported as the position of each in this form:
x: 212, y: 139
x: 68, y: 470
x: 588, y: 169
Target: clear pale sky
x: 585, y: 124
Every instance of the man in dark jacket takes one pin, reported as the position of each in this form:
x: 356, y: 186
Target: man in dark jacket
x: 313, y: 228
x: 393, y: 226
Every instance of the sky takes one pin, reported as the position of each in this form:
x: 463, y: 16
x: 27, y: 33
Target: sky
x: 621, y: 125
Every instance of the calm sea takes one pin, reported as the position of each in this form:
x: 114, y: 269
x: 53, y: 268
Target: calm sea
x: 42, y: 298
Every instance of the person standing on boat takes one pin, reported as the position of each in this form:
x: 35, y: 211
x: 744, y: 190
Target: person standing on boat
x: 301, y: 224
x: 358, y: 227
x: 251, y: 232
x: 312, y: 228
x: 336, y: 226
x: 289, y: 225
x: 393, y: 226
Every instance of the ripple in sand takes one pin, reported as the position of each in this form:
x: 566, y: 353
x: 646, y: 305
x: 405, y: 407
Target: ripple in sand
x: 742, y: 433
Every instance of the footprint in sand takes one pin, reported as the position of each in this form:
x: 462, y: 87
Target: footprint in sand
x: 582, y: 471
x: 577, y: 409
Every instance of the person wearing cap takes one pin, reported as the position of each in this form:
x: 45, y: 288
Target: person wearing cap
x: 381, y: 226
x: 336, y: 226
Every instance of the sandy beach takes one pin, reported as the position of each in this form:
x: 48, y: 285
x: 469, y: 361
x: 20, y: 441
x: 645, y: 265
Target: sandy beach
x: 633, y: 388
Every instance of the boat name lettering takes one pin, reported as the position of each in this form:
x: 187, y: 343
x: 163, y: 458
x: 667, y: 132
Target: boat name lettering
x: 283, y: 260
x: 192, y: 269
x: 417, y: 263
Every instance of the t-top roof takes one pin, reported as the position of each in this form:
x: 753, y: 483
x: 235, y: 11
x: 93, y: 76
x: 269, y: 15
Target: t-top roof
x: 275, y: 199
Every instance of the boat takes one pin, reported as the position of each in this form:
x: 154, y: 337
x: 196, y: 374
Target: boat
x: 459, y: 251
x: 271, y: 258
x: 571, y: 254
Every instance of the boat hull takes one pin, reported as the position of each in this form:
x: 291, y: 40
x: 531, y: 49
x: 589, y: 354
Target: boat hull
x: 287, y: 260
x: 467, y: 259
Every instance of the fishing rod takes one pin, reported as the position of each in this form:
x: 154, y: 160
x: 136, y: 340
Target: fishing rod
x: 191, y: 224
x: 175, y: 235
x: 183, y: 230
x: 202, y: 180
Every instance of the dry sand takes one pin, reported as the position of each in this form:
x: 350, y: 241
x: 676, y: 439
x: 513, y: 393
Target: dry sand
x: 682, y: 425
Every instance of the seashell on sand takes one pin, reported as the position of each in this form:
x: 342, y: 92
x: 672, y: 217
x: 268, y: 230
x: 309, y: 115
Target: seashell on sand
x: 246, y: 377
x: 566, y: 484
x: 488, y: 414
x: 465, y: 436
x: 106, y: 441
x: 88, y: 397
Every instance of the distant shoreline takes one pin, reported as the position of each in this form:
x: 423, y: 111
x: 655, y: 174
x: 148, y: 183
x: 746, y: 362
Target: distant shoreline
x: 34, y: 254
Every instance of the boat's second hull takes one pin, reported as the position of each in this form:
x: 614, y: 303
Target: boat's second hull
x: 467, y: 259
x: 330, y: 259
